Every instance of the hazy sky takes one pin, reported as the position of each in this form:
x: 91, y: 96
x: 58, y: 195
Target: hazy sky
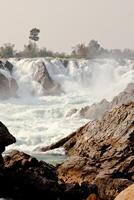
x: 64, y: 23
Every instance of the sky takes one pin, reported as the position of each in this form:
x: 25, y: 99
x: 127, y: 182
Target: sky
x: 65, y: 23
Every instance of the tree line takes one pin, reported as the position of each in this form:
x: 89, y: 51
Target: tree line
x: 90, y: 51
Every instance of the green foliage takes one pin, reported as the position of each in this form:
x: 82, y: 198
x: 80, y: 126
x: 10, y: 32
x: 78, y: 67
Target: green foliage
x: 7, y: 51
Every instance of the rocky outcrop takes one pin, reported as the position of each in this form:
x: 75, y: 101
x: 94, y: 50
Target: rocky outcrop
x: 5, y: 137
x: 42, y: 76
x: 27, y: 178
x: 127, y: 194
x: 97, y: 110
x: 23, y: 177
x: 124, y: 97
x: 102, y: 153
x: 8, y: 85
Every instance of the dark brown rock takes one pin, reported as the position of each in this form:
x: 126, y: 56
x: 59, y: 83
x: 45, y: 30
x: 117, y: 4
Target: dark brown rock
x: 5, y: 137
x: 27, y: 178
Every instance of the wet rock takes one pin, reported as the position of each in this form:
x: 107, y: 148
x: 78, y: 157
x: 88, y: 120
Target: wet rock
x: 5, y: 139
x: 127, y: 194
x: 124, y: 97
x: 71, y: 112
x: 42, y: 76
x: 97, y: 110
x: 8, y: 66
x: 8, y: 85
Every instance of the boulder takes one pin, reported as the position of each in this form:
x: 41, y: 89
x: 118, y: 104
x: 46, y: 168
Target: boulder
x: 28, y: 178
x: 97, y: 110
x: 124, y: 97
x: 6, y: 65
x: 8, y: 85
x: 42, y: 76
x: 127, y: 194
x: 5, y: 137
x: 102, y: 152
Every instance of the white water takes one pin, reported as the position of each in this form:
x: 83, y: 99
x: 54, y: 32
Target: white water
x: 37, y: 120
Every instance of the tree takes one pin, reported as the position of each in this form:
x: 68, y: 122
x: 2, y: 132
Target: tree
x: 7, y: 51
x: 94, y: 49
x: 30, y: 50
x: 80, y: 51
x: 34, y: 34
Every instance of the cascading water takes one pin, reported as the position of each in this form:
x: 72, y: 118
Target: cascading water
x: 37, y: 120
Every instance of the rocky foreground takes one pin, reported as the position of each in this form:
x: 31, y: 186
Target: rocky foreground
x: 23, y: 177
x: 102, y: 153
x: 100, y: 163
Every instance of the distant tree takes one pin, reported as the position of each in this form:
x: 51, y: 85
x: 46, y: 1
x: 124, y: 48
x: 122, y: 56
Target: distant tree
x: 80, y: 51
x: 94, y: 49
x: 30, y: 50
x: 7, y: 51
x: 34, y: 34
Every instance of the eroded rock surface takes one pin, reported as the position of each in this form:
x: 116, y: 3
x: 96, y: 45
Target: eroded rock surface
x: 102, y: 152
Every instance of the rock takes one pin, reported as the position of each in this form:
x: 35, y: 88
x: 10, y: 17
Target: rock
x: 102, y: 152
x: 8, y: 66
x: 71, y: 112
x: 124, y: 97
x: 42, y: 76
x: 127, y: 194
x: 92, y: 197
x: 55, y: 145
x: 97, y: 110
x: 74, y: 191
x: 110, y: 188
x: 28, y: 178
x: 8, y: 85
x: 5, y: 137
